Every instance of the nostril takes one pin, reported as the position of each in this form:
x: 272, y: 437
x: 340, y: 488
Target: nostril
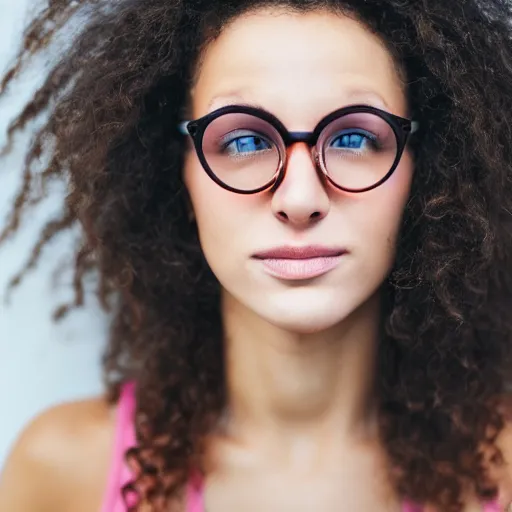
x: 316, y: 215
x: 282, y: 215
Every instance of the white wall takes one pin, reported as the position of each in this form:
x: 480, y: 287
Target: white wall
x: 41, y: 363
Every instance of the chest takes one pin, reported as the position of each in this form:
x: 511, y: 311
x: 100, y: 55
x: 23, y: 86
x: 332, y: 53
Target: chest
x: 341, y: 492
x: 274, y: 492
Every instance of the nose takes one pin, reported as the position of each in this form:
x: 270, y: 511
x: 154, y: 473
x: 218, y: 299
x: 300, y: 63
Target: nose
x: 301, y: 199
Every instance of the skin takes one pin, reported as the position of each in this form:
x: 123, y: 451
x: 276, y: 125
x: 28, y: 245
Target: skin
x: 299, y: 356
x: 61, y: 461
x: 300, y: 430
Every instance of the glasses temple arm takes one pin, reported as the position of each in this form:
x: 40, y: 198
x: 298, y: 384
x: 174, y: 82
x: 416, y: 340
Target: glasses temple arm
x: 182, y: 128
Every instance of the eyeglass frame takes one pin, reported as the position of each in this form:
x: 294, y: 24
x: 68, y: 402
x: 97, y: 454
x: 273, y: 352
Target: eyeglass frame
x: 196, y: 129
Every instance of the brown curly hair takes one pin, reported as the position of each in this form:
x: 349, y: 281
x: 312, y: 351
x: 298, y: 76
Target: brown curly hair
x: 114, y: 102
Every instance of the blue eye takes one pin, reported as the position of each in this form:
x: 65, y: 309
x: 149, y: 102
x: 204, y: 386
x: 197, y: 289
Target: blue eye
x: 357, y: 140
x: 247, y: 144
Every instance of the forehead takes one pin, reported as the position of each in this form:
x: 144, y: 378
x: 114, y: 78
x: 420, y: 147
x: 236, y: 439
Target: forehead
x: 289, y: 63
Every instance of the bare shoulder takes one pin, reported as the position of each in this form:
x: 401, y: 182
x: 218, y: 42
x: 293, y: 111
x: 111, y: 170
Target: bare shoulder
x: 61, y: 456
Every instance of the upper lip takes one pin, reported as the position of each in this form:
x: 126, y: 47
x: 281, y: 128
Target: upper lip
x: 300, y: 253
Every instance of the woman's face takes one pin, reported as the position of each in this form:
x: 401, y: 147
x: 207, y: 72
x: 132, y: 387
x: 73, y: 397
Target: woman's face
x: 299, y: 67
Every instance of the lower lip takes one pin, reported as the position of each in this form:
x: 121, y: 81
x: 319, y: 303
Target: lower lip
x: 300, y: 269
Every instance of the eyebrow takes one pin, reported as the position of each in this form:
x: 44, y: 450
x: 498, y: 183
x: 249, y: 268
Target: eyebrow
x: 367, y: 95
x: 231, y: 98
x: 354, y: 96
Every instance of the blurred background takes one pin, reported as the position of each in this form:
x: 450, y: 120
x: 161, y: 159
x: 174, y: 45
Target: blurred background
x: 42, y: 363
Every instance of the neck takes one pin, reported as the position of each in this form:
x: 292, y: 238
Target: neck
x: 292, y: 384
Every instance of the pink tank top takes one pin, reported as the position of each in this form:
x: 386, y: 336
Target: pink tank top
x: 119, y: 474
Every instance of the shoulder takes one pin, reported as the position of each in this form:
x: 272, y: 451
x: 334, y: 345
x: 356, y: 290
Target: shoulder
x: 65, y: 431
x: 64, y: 449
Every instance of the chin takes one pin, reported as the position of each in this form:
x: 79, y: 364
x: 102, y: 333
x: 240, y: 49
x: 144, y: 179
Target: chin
x: 301, y: 326
x: 312, y: 311
x: 307, y: 318
x: 304, y: 310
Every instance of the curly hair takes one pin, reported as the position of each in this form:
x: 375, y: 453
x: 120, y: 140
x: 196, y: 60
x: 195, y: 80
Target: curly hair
x: 114, y: 101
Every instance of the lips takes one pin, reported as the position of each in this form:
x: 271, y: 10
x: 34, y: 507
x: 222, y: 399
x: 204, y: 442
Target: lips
x: 299, y: 263
x: 299, y: 253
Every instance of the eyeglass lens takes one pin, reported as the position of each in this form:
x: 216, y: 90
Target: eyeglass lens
x: 243, y: 151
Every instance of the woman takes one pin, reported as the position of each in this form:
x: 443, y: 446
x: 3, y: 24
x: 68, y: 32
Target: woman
x: 300, y: 213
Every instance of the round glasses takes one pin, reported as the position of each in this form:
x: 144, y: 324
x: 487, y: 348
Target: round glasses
x: 244, y: 149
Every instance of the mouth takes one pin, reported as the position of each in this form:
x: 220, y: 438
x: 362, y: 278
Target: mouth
x: 300, y: 263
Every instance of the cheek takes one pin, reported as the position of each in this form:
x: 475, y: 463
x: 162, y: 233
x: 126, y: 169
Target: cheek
x: 381, y: 210
x: 398, y: 188
x: 219, y: 214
